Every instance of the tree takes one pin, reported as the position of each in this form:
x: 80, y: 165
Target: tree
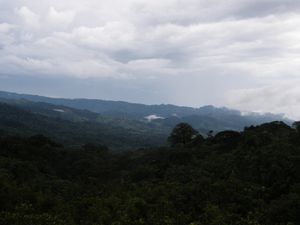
x: 228, y: 137
x: 182, y: 134
x: 296, y: 125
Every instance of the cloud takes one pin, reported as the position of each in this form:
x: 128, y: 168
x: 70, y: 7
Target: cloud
x: 113, y: 35
x: 6, y: 28
x: 60, y: 18
x: 28, y: 17
x: 210, y: 37
x: 6, y: 38
x: 207, y: 49
x: 283, y: 96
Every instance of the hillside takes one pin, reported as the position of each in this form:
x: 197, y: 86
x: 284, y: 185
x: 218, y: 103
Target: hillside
x: 204, y: 119
x: 76, y: 127
x: 232, y: 178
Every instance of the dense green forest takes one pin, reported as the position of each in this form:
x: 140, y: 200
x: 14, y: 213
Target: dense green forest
x: 77, y: 127
x: 231, y: 178
x: 204, y: 118
x: 118, y: 125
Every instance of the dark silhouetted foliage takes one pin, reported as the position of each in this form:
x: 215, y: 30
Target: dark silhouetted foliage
x: 182, y: 134
x: 247, y: 178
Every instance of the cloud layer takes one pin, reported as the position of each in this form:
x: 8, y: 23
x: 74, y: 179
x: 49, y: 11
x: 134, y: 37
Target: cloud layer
x: 220, y: 52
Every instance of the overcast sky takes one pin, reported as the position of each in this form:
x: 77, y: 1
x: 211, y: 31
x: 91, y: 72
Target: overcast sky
x: 243, y: 54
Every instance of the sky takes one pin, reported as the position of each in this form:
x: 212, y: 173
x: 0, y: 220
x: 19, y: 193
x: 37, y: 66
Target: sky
x: 242, y: 54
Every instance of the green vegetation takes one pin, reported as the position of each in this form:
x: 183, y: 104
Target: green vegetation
x: 203, y: 119
x: 118, y: 125
x: 184, y: 134
x: 77, y: 127
x: 232, y: 178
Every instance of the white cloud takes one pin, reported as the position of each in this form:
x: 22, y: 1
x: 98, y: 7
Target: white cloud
x: 28, y: 17
x: 178, y: 43
x: 279, y: 97
x: 153, y: 117
x: 6, y: 38
x: 6, y: 28
x: 60, y: 18
x: 113, y: 35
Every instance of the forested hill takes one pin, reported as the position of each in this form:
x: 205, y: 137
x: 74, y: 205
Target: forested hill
x: 77, y: 127
x: 73, y: 126
x: 231, y: 119
x: 232, y: 178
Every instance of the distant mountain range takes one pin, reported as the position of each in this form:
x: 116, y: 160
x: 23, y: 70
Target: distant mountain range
x: 114, y: 123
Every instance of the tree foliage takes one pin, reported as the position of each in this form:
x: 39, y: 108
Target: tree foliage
x: 247, y: 178
x: 183, y: 134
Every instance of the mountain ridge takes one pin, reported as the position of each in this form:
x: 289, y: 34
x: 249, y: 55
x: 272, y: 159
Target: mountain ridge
x: 113, y: 124
x: 134, y: 110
